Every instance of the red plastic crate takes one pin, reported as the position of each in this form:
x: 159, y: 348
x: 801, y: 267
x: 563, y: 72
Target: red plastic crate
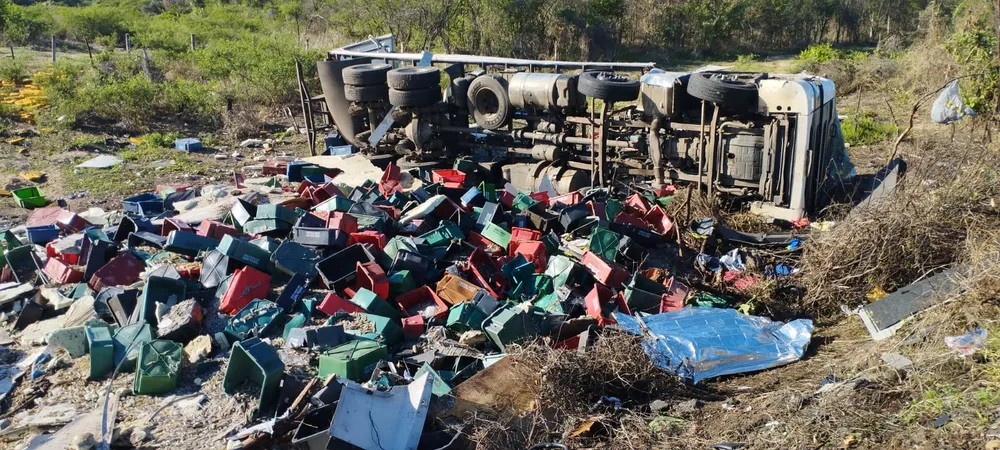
x: 486, y: 272
x: 413, y: 327
x: 69, y: 255
x: 541, y: 197
x: 608, y: 273
x: 419, y: 295
x: 333, y: 304
x: 657, y: 218
x: 595, y: 301
x: 216, y: 230
x: 304, y: 186
x: 62, y: 272
x: 636, y: 203
x: 534, y: 252
x: 247, y: 284
x: 174, y: 224
x: 519, y: 235
x: 343, y: 222
x: 673, y: 299
x: 567, y: 199
x: 72, y: 223
x: 506, y: 199
x: 371, y: 237
x: 275, y: 167
x: 450, y: 177
x: 371, y: 276
x: 626, y: 218
x: 124, y: 269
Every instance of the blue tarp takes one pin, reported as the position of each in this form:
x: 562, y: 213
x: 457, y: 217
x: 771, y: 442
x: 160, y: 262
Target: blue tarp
x: 700, y: 343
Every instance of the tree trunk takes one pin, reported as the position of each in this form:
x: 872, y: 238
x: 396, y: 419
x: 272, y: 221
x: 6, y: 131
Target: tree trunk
x: 89, y: 53
x: 12, y: 52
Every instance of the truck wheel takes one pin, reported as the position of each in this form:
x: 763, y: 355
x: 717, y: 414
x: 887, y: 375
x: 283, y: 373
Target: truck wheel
x: 422, y: 97
x: 489, y: 102
x: 365, y: 74
x: 608, y: 86
x: 373, y: 93
x: 735, y: 91
x: 413, y: 78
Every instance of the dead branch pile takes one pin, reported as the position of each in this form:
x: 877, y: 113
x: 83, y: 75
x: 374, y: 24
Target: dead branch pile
x: 570, y: 397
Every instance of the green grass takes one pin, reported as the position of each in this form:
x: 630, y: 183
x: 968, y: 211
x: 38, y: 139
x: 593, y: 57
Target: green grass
x: 867, y: 129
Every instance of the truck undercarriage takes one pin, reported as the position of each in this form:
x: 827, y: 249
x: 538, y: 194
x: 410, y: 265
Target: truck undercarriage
x: 772, y: 142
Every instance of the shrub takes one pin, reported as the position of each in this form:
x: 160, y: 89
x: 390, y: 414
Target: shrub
x: 161, y: 139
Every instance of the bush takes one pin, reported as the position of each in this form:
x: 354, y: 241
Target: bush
x: 818, y: 54
x: 164, y: 140
x: 12, y: 71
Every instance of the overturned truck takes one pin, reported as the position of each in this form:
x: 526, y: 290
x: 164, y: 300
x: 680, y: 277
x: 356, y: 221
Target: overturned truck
x: 771, y: 142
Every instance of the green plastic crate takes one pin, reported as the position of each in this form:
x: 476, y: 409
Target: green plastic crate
x: 245, y: 252
x: 29, y: 197
x: 465, y: 316
x: 550, y: 303
x: 127, y: 341
x: 401, y: 282
x: 513, y: 323
x: 443, y: 235
x: 604, y: 242
x: 254, y: 320
x: 335, y: 203
x: 354, y: 360
x: 496, y: 234
x: 297, y: 321
x: 163, y: 290
x: 389, y: 329
x: 522, y: 202
x: 159, y: 367
x: 258, y: 362
x: 373, y: 304
x: 612, y: 208
x: 273, y: 211
x: 102, y: 353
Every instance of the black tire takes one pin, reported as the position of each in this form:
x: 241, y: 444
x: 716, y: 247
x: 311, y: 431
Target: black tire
x: 413, y: 78
x: 372, y: 93
x: 458, y: 91
x: 422, y: 97
x: 608, y: 86
x: 737, y: 91
x: 365, y: 74
x: 489, y: 102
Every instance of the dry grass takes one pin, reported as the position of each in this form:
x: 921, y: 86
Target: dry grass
x: 918, y: 229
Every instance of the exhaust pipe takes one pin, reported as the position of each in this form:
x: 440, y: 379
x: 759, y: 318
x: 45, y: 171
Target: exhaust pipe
x: 332, y: 82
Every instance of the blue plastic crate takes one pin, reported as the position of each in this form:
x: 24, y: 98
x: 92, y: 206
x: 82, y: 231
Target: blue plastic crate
x: 43, y: 234
x: 147, y: 204
x: 294, y: 171
x: 188, y: 145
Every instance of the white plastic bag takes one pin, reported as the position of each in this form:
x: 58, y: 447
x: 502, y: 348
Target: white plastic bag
x: 949, y: 106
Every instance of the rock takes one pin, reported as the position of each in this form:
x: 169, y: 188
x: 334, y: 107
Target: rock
x: 687, y: 406
x: 138, y: 437
x: 221, y: 157
x: 4, y: 423
x: 897, y: 361
x: 993, y: 445
x: 198, y: 349
x: 472, y: 338
x: 73, y: 339
x: 658, y: 405
x: 84, y: 441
